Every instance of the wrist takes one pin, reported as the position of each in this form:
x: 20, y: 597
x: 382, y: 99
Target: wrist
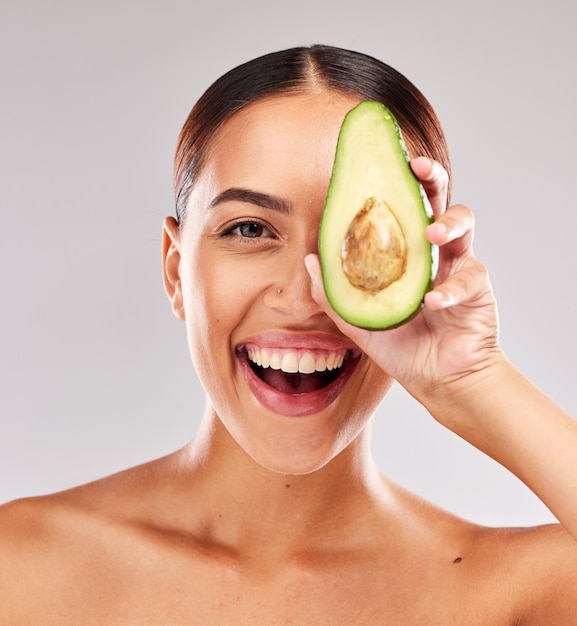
x: 465, y: 403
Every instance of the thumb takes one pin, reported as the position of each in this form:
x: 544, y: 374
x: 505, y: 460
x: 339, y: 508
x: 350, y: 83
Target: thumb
x: 313, y: 265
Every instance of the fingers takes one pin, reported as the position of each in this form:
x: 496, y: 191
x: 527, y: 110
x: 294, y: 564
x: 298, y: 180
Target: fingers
x: 469, y: 284
x: 453, y: 230
x: 435, y: 182
x: 453, y: 226
x: 462, y: 278
x: 313, y: 266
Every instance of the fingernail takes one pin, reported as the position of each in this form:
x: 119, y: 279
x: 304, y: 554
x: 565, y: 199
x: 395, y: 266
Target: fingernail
x: 309, y: 261
x: 437, y: 231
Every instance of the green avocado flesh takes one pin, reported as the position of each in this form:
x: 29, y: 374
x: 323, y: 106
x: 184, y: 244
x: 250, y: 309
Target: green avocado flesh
x: 376, y: 261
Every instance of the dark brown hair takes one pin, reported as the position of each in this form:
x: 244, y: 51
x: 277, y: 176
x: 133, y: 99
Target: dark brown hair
x: 297, y: 70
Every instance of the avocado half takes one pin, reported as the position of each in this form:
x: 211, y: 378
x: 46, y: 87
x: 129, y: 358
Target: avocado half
x: 377, y: 263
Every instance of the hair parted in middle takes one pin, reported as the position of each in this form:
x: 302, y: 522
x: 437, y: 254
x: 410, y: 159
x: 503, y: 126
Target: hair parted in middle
x: 298, y: 70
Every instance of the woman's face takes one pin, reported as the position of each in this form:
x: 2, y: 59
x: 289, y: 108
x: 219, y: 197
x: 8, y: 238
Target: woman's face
x: 288, y: 386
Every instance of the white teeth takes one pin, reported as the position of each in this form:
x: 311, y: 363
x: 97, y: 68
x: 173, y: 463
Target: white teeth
x: 290, y: 362
x: 307, y: 364
x: 265, y: 358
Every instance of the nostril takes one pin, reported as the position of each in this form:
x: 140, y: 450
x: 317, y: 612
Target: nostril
x: 294, y: 294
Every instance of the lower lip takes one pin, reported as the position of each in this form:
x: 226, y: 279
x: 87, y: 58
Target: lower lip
x: 298, y: 405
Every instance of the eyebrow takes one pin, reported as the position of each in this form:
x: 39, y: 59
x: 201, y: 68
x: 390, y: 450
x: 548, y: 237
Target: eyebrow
x: 263, y: 200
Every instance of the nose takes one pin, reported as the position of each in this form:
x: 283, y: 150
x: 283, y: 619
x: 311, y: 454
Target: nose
x: 290, y: 290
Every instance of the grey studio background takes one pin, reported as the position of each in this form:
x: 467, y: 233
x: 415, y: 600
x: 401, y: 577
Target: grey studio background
x: 95, y: 375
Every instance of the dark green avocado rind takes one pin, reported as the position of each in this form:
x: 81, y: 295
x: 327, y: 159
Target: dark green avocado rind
x: 372, y: 160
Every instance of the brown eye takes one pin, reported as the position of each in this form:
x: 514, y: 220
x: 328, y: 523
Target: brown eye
x: 248, y: 230
x: 251, y: 229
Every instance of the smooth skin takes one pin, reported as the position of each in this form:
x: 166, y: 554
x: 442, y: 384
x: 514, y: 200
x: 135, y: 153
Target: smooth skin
x: 266, y: 518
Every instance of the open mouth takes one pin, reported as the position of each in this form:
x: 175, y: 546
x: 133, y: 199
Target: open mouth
x: 298, y: 372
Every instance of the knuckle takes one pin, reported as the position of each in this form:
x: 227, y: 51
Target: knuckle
x: 441, y: 176
x: 479, y: 275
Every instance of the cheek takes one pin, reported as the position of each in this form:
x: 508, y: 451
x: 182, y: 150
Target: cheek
x: 208, y: 304
x: 211, y: 290
x: 219, y: 293
x: 210, y: 301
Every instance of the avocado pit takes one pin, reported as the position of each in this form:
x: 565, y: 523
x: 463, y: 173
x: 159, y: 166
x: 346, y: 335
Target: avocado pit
x: 374, y: 249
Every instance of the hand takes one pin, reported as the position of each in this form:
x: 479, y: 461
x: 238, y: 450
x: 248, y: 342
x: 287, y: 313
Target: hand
x: 456, y: 333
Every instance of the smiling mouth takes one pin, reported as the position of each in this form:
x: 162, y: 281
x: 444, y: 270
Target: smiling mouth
x: 298, y: 372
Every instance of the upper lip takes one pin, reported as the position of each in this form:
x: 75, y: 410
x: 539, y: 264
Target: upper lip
x: 300, y: 340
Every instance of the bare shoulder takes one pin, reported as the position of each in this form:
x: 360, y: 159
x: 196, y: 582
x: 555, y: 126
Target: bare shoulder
x: 521, y: 576
x: 52, y: 544
x: 32, y: 553
x: 540, y: 571
x: 109, y: 500
x: 530, y: 570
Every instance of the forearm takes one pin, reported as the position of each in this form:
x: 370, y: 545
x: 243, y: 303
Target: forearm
x: 507, y: 417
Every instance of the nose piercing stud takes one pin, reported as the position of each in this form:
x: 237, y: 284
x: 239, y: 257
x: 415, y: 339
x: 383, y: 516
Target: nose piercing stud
x: 279, y: 291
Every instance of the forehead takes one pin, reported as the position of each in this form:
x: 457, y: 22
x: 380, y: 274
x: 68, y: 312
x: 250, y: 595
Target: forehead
x: 292, y: 135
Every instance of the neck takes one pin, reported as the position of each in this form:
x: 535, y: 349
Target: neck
x: 251, y: 509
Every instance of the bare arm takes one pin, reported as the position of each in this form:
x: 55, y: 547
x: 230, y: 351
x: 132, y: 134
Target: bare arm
x: 450, y: 360
x: 502, y: 413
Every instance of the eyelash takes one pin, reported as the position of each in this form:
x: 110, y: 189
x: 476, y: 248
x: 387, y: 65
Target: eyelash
x: 237, y: 226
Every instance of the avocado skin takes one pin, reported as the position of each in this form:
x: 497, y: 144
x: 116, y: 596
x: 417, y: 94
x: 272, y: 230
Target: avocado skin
x: 372, y: 160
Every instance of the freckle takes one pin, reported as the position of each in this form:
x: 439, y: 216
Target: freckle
x: 287, y: 485
x: 458, y: 559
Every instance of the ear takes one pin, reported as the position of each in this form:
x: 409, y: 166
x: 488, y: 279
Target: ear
x: 171, y: 265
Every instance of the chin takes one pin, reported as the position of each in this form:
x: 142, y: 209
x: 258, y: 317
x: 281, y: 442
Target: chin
x: 299, y: 456
x: 296, y: 467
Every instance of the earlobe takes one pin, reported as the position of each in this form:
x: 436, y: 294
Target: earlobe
x: 171, y: 265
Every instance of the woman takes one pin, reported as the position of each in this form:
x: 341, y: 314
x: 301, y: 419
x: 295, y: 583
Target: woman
x: 275, y: 513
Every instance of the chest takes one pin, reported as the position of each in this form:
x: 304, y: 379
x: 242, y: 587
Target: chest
x: 205, y: 591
